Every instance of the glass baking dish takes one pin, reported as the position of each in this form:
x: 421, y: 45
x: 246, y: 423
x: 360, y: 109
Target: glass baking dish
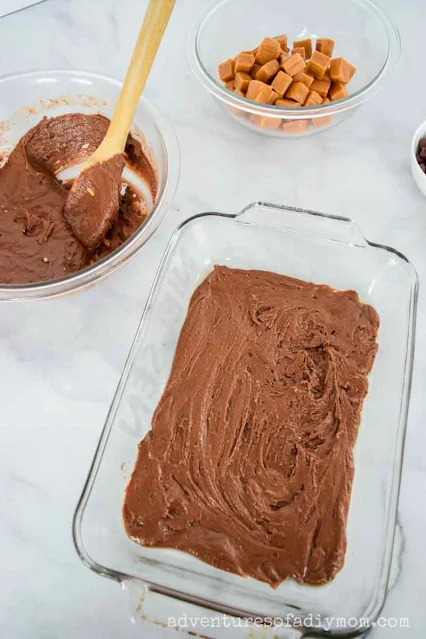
x: 314, y: 247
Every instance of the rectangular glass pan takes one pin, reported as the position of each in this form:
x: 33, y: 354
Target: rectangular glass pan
x: 313, y: 247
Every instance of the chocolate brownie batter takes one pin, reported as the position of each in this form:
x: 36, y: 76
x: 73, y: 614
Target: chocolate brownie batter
x: 94, y: 200
x: 249, y: 463
x: 36, y: 242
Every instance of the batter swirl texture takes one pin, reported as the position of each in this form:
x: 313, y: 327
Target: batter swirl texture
x: 249, y: 462
x: 36, y: 242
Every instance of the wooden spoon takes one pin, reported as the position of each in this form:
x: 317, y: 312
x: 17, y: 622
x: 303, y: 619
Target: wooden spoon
x: 93, y: 201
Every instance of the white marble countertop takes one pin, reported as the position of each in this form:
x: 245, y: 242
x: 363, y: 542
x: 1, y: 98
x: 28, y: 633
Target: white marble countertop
x: 60, y: 360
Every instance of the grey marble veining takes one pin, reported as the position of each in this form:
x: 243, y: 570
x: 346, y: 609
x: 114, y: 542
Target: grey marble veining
x: 60, y: 361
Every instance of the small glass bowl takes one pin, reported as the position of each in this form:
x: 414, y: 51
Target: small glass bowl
x: 364, y: 35
x: 27, y: 97
x: 418, y: 175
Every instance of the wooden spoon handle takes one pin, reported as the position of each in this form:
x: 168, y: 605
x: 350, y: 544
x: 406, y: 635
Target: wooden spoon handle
x: 155, y: 22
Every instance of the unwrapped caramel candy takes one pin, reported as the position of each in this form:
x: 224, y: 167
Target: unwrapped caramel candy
x: 300, y: 50
x: 297, y: 91
x: 241, y: 81
x: 226, y: 70
x: 283, y: 41
x: 283, y: 58
x: 281, y: 82
x: 294, y: 64
x: 255, y: 69
x: 273, y: 97
x: 337, y: 91
x: 326, y: 46
x: 324, y: 120
x: 265, y: 122
x: 319, y: 122
x: 317, y: 65
x: 269, y: 50
x: 253, y: 88
x: 268, y: 71
x: 304, y: 77
x: 244, y: 62
x: 341, y: 70
x: 305, y: 44
x: 285, y: 102
x: 294, y: 126
x: 321, y: 86
x: 313, y: 99
x: 260, y: 92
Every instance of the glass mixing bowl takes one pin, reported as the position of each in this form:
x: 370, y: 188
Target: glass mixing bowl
x: 364, y: 35
x: 27, y: 97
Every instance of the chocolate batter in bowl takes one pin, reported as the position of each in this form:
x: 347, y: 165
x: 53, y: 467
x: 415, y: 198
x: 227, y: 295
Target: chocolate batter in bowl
x: 51, y: 121
x: 261, y: 241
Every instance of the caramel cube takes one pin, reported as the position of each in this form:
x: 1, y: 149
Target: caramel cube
x: 268, y: 71
x: 244, y: 62
x: 321, y: 86
x: 313, y: 99
x: 259, y: 92
x: 294, y: 126
x: 242, y: 81
x: 265, y: 122
x: 297, y: 91
x: 319, y: 122
x: 287, y: 103
x: 254, y: 70
x: 269, y: 50
x: 326, y: 46
x: 306, y: 44
x: 226, y: 70
x: 253, y: 88
x: 300, y: 50
x: 295, y: 64
x: 337, y: 91
x: 304, y: 77
x: 229, y: 85
x: 281, y: 82
x: 317, y: 65
x: 324, y: 120
x: 265, y: 94
x: 283, y: 58
x: 341, y: 70
x: 273, y: 97
x: 283, y: 41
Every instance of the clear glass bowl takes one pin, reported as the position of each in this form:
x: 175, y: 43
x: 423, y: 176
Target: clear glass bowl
x: 302, y: 244
x: 363, y: 33
x: 25, y: 98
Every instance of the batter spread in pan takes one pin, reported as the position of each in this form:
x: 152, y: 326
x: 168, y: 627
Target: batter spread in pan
x: 249, y: 462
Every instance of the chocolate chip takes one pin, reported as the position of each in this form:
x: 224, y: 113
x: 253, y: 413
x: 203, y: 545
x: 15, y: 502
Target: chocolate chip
x: 421, y: 154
